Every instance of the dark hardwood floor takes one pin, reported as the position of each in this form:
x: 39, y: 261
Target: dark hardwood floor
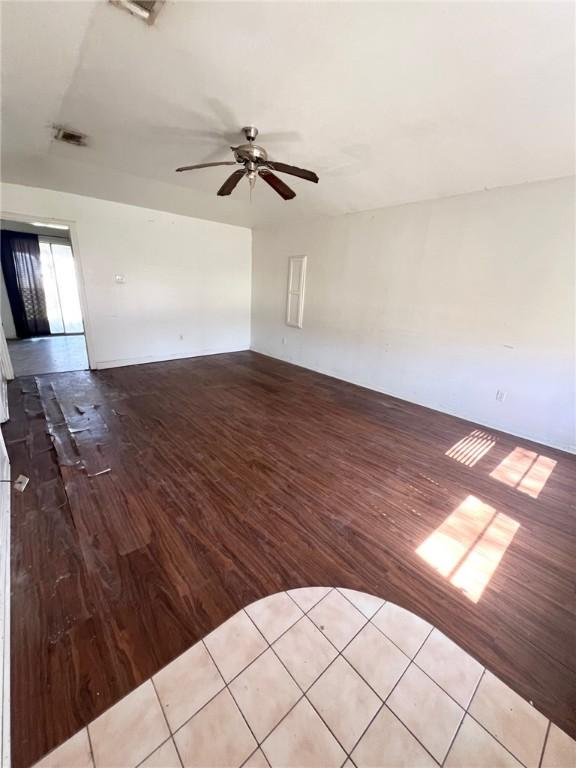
x: 235, y: 476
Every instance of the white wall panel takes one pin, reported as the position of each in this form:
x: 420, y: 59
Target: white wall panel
x: 441, y: 303
x: 186, y: 288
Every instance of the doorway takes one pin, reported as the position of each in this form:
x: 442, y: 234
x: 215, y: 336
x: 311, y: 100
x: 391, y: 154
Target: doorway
x: 39, y: 299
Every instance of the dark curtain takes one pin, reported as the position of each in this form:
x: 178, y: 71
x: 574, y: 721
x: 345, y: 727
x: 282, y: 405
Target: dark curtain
x: 23, y: 277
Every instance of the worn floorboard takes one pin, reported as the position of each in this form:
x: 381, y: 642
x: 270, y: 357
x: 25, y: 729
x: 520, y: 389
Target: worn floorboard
x: 235, y: 476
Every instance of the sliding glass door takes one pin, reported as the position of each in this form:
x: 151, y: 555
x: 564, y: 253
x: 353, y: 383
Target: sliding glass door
x: 60, y: 287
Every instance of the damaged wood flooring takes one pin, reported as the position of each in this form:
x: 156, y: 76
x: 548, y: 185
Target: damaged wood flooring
x: 164, y: 497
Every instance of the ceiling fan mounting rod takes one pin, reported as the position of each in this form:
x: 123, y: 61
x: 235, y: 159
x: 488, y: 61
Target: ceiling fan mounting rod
x: 250, y: 132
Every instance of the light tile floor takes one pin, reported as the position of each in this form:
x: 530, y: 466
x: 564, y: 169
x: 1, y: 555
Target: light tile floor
x: 48, y: 354
x: 320, y: 678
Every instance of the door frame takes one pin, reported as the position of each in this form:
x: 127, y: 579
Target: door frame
x: 5, y: 761
x: 72, y: 231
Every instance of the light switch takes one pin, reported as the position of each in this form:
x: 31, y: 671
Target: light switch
x: 119, y: 278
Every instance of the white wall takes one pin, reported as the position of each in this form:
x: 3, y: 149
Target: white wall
x: 187, y: 288
x: 440, y: 303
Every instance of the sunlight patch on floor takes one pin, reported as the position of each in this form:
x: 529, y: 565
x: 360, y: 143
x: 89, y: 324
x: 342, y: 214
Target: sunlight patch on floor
x: 468, y: 546
x: 525, y: 470
x: 471, y: 448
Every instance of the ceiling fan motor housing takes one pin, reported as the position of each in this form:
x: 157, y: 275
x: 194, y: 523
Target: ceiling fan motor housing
x: 250, y: 153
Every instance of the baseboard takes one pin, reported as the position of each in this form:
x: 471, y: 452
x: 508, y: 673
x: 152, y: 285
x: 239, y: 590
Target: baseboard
x: 102, y: 364
x: 557, y: 446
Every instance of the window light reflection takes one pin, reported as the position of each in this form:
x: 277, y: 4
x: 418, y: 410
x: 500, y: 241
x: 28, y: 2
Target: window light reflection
x: 469, y: 545
x: 471, y: 448
x: 524, y: 470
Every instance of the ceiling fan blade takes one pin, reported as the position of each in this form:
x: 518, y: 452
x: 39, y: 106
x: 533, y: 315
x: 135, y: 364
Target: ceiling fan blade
x: 293, y: 170
x: 204, y: 165
x: 231, y: 182
x: 277, y: 185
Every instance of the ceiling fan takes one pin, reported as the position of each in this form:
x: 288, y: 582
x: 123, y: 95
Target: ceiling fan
x: 255, y: 162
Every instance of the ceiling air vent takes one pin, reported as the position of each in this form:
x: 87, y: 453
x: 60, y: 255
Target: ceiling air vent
x: 147, y: 10
x: 68, y: 136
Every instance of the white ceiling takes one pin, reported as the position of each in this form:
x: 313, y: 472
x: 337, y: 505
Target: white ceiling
x: 388, y: 102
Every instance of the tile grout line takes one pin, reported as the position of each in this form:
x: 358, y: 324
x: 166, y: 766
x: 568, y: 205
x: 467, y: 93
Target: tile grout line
x: 544, y: 745
x: 91, y: 747
x: 465, y: 708
x: 486, y: 729
x: 51, y: 751
x: 340, y: 653
x: 155, y: 750
x: 471, y: 716
x: 397, y: 683
x: 403, y: 724
x: 251, y: 755
x: 170, y: 737
x: 227, y: 687
x: 299, y: 686
x: 496, y: 739
x: 359, y: 739
x: 244, y: 668
x: 312, y: 703
x: 437, y: 629
x: 396, y: 644
x: 258, y: 742
x: 224, y: 683
x: 475, y: 691
x: 339, y: 590
x: 285, y: 631
x: 493, y: 735
x: 224, y: 686
x: 413, y: 661
x: 303, y: 692
x: 173, y: 733
x: 330, y: 589
x: 465, y: 714
x: 410, y: 662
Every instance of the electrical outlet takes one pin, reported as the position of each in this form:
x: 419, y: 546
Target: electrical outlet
x: 181, y: 337
x: 283, y: 339
x: 121, y: 279
x: 500, y: 395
